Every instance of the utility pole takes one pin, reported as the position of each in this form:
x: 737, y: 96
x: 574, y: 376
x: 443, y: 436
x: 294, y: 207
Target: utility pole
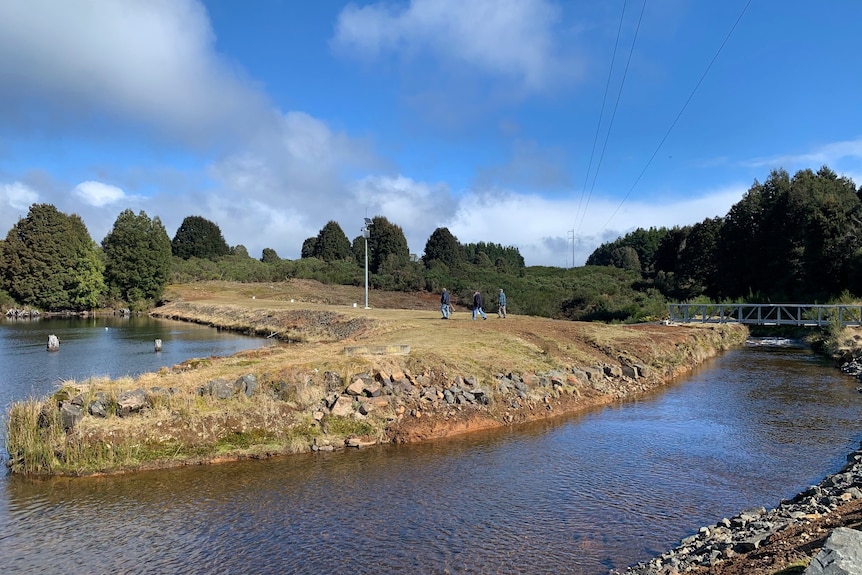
x: 571, y: 236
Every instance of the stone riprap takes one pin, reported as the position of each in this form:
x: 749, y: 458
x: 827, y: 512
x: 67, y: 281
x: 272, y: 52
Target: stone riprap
x: 752, y: 528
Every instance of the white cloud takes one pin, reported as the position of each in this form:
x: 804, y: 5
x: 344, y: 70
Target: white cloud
x: 417, y: 207
x: 17, y: 195
x: 512, y: 38
x: 541, y: 227
x: 829, y: 155
x: 148, y: 63
x: 98, y: 194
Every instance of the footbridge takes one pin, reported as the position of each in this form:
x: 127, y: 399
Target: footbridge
x: 805, y: 315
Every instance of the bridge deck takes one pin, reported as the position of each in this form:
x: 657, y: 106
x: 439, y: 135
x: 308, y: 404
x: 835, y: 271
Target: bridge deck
x: 807, y: 315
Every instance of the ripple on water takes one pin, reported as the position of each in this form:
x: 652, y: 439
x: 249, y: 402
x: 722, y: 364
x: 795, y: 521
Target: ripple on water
x: 578, y: 495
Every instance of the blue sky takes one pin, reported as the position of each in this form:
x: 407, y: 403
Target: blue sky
x: 519, y: 122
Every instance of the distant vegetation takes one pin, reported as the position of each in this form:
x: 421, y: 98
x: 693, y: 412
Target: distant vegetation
x: 788, y: 239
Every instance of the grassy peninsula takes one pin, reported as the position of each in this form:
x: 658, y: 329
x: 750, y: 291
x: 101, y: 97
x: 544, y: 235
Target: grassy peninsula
x: 334, y: 375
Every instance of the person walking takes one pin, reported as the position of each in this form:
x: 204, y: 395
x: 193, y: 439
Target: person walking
x: 501, y: 304
x: 477, y: 306
x: 444, y: 304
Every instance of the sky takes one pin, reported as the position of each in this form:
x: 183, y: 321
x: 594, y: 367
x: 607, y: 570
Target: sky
x: 551, y: 126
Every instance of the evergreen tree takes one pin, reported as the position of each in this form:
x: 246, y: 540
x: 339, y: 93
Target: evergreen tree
x: 697, y: 272
x: 645, y: 243
x: 269, y: 256
x: 240, y: 251
x: 308, y: 247
x: 49, y: 261
x: 492, y: 252
x: 332, y: 244
x: 386, y: 239
x: 138, y: 257
x: 443, y: 247
x: 200, y: 238
x: 791, y: 239
x: 357, y: 248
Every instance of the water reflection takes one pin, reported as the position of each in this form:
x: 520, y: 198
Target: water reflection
x: 578, y: 495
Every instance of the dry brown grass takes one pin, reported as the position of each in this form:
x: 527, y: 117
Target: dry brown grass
x: 186, y: 425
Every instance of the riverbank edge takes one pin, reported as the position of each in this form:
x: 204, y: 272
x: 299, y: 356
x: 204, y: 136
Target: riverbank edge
x: 420, y: 400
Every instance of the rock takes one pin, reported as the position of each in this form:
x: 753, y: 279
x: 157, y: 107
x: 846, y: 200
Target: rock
x: 70, y: 414
x: 629, y: 371
x: 613, y: 371
x: 356, y: 388
x: 129, y: 402
x: 841, y: 554
x: 332, y: 381
x: 99, y: 406
x: 220, y: 388
x: 357, y: 442
x: 343, y: 406
x: 247, y: 384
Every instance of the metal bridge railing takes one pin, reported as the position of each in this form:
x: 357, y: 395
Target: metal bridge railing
x: 806, y: 315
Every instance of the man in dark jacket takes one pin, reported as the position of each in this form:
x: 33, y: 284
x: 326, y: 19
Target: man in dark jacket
x: 477, y: 306
x: 444, y: 304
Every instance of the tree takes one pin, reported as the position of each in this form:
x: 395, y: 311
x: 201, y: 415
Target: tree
x: 386, y: 239
x: 137, y: 257
x: 645, y: 243
x: 50, y: 261
x: 86, y: 281
x: 269, y: 256
x: 240, y: 251
x: 697, y: 271
x: 791, y: 238
x: 308, y: 247
x: 626, y: 257
x: 492, y: 252
x: 331, y: 243
x: 357, y: 248
x: 443, y: 247
x: 200, y: 238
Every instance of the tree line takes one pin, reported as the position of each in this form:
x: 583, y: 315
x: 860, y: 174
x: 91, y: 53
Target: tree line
x: 49, y: 260
x: 789, y: 239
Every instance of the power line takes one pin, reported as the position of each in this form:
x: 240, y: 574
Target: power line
x: 675, y: 120
x: 601, y: 112
x: 613, y: 115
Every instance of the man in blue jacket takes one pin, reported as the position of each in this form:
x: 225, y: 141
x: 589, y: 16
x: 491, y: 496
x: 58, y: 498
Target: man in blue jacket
x: 501, y: 304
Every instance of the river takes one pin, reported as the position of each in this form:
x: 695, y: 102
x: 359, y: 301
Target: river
x: 574, y: 495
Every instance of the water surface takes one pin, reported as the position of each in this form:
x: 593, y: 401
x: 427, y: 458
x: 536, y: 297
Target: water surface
x: 576, y: 495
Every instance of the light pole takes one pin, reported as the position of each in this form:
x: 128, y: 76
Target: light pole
x: 365, y: 233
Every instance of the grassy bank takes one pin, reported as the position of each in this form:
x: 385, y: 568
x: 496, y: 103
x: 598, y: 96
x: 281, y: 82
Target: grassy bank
x: 320, y: 383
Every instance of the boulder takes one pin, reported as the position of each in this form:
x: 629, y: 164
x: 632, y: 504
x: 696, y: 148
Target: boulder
x: 70, y: 414
x: 841, y: 554
x: 247, y: 384
x: 98, y: 407
x: 220, y: 388
x: 129, y: 402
